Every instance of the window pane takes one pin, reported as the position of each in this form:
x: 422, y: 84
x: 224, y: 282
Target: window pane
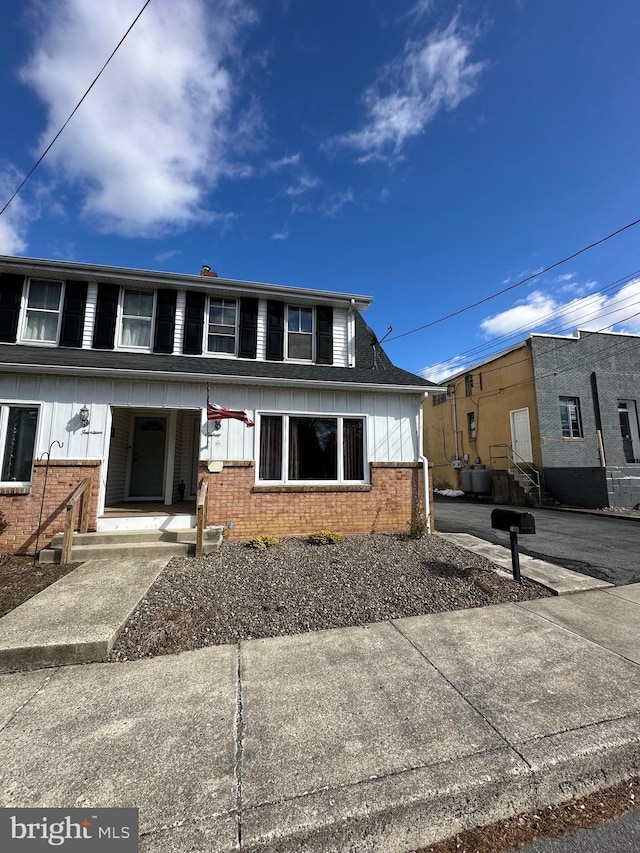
x: 44, y: 295
x: 353, y: 449
x: 137, y: 304
x: 306, y: 320
x: 41, y: 326
x: 270, y: 448
x: 221, y: 343
x: 136, y: 333
x: 300, y: 345
x: 313, y: 449
x: 19, y: 444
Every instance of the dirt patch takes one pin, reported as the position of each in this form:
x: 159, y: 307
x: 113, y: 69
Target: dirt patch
x: 514, y: 833
x: 21, y: 578
x: 241, y: 593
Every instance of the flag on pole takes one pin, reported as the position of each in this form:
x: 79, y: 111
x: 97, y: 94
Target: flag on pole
x: 219, y: 413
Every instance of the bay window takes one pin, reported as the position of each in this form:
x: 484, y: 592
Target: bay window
x: 17, y: 443
x: 299, y: 448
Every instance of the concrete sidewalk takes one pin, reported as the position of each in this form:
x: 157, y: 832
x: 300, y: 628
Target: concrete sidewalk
x: 380, y: 738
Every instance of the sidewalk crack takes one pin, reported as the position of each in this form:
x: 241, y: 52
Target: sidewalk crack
x: 29, y: 698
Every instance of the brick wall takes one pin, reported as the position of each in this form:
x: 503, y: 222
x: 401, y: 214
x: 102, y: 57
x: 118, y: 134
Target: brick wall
x: 385, y: 506
x: 21, y: 507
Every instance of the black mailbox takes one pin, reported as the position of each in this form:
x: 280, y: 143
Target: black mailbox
x: 512, y: 521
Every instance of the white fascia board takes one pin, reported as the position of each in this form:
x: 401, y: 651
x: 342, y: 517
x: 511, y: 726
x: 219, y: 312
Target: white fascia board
x: 172, y: 376
x: 126, y: 275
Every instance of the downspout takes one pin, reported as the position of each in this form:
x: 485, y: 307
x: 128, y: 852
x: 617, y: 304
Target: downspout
x: 598, y: 417
x: 425, y: 466
x: 351, y: 335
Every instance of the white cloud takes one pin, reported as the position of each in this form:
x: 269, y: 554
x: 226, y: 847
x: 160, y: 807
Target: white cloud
x: 280, y: 235
x: 154, y: 133
x: 291, y: 160
x: 433, y: 74
x: 443, y: 369
x: 15, y: 220
x: 303, y: 185
x: 333, y: 205
x: 594, y: 312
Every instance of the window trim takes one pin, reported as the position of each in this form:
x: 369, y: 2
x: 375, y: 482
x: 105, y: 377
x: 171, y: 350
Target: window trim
x: 121, y: 317
x: 5, y: 405
x: 340, y: 417
x: 24, y: 309
x: 312, y: 333
x: 575, y: 402
x: 236, y: 333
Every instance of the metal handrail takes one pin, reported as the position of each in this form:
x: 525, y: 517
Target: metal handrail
x: 532, y: 474
x: 83, y: 490
x: 201, y: 515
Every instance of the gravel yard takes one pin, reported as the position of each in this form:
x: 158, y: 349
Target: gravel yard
x: 242, y: 593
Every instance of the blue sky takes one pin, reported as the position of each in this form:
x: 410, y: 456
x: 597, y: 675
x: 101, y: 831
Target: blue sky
x: 426, y: 153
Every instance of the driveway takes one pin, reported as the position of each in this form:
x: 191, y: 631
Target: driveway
x: 600, y: 546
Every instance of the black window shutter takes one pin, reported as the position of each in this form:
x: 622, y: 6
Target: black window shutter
x: 104, y: 330
x: 165, y: 321
x: 193, y: 323
x: 324, y: 340
x: 275, y: 331
x: 10, y: 298
x: 248, y: 327
x: 75, y: 302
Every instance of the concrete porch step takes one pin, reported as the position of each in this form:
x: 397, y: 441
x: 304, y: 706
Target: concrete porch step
x: 136, y: 544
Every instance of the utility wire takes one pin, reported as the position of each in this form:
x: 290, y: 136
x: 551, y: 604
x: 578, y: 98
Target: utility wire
x: 75, y: 109
x: 517, y: 283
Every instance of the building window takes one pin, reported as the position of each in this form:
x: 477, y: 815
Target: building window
x: 570, y: 417
x: 439, y: 399
x: 42, y: 316
x: 300, y: 333
x: 311, y: 449
x: 137, y: 319
x: 17, y: 440
x: 471, y: 425
x: 221, y: 333
x: 468, y: 384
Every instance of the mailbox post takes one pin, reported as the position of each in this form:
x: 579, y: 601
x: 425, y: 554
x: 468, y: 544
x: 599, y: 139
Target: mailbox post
x: 513, y: 522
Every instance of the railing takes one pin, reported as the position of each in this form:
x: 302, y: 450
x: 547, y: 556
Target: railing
x: 82, y: 491
x: 201, y: 515
x: 524, y: 468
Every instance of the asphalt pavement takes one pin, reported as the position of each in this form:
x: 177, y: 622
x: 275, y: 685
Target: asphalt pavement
x: 603, y: 547
x: 621, y: 835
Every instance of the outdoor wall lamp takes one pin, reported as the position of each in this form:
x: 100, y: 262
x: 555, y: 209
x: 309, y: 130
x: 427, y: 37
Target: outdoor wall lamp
x: 83, y: 414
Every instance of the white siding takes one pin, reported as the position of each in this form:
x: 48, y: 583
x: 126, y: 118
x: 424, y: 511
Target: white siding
x: 181, y: 302
x: 261, y: 349
x: 340, y: 337
x: 90, y: 315
x: 116, y: 474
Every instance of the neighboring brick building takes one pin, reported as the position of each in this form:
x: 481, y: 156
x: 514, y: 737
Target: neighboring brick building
x: 109, y: 370
x: 565, y: 408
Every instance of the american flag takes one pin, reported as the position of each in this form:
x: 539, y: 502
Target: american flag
x: 219, y: 413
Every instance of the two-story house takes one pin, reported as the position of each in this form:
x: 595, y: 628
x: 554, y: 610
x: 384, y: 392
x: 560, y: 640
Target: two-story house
x: 105, y: 373
x: 554, y: 410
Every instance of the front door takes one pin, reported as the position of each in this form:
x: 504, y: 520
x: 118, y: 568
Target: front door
x: 521, y: 435
x: 147, y: 461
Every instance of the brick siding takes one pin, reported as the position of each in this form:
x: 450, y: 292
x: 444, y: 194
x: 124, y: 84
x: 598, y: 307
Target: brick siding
x: 20, y: 507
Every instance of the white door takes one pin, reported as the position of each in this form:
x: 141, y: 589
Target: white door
x: 521, y: 435
x: 628, y: 414
x: 146, y: 479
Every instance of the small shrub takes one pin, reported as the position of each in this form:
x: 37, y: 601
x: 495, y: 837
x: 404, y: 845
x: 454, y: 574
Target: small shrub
x: 261, y: 543
x: 418, y: 524
x: 324, y: 537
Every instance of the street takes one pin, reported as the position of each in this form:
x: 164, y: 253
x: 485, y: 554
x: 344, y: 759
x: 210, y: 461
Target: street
x: 603, y: 547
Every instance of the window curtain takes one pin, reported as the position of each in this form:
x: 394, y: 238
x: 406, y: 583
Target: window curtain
x: 41, y: 326
x: 271, y: 447
x: 136, y: 333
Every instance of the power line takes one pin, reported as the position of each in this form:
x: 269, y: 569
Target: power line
x: 75, y: 109
x: 517, y: 283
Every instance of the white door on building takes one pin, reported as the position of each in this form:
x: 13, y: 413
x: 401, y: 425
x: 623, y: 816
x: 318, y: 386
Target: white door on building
x: 628, y: 414
x: 146, y: 479
x: 521, y: 435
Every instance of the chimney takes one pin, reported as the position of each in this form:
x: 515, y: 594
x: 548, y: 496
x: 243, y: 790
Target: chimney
x: 206, y: 270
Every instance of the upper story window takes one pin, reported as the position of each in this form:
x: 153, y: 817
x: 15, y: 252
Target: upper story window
x: 42, y: 313
x: 570, y: 417
x: 300, y: 333
x: 222, y: 327
x: 137, y: 319
x: 17, y: 442
x: 468, y: 384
